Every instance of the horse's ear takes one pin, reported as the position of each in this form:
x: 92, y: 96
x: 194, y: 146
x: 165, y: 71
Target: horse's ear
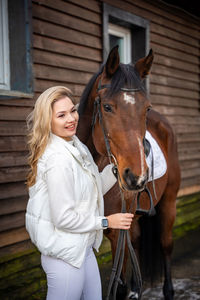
x: 144, y: 64
x: 112, y: 62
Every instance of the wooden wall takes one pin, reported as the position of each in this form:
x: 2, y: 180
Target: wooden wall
x: 67, y: 43
x: 67, y: 50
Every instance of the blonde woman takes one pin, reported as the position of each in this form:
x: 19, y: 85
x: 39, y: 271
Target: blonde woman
x: 65, y: 216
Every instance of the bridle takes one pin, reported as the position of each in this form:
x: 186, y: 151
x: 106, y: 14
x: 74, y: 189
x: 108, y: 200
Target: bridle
x: 124, y: 235
x: 97, y: 112
x: 147, y: 148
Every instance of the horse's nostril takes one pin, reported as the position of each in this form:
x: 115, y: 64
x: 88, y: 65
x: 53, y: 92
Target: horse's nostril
x: 129, y: 178
x: 127, y: 170
x: 132, y: 181
x: 139, y: 186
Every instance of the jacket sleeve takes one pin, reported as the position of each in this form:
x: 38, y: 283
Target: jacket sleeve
x: 60, y: 185
x: 107, y: 178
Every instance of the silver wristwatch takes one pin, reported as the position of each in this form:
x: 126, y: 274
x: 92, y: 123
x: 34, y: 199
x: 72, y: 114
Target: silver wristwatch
x: 104, y: 223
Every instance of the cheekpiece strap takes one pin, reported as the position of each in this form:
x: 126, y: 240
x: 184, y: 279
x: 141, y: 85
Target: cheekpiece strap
x: 104, y: 86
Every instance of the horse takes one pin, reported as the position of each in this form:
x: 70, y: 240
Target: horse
x: 126, y: 115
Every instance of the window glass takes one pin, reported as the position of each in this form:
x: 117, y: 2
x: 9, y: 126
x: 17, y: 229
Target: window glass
x: 4, y: 47
x: 16, y: 76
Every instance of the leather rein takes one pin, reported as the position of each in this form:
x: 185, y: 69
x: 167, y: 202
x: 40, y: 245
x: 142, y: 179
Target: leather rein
x: 124, y: 235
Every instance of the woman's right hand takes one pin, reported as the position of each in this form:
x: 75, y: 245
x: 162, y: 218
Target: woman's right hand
x: 120, y: 221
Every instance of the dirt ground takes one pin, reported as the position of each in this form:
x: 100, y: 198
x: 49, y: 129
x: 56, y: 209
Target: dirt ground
x: 185, y: 271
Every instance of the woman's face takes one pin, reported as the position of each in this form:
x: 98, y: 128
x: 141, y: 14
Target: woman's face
x: 64, y: 118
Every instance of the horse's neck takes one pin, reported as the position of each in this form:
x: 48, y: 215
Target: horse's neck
x: 84, y: 128
x: 84, y: 133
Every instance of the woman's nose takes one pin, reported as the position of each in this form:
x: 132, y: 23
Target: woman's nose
x: 70, y: 118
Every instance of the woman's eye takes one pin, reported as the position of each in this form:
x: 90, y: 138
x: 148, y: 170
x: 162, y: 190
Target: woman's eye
x: 61, y: 116
x: 107, y: 108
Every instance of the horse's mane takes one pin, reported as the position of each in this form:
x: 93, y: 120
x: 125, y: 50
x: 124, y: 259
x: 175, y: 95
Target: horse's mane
x: 125, y: 76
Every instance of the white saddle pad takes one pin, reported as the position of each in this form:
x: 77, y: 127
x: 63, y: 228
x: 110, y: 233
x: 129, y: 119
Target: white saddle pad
x: 160, y: 165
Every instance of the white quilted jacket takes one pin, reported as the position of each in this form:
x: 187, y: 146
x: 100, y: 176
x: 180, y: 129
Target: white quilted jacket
x: 66, y: 202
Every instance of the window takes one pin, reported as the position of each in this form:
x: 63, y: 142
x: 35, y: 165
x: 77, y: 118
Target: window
x: 121, y: 36
x: 4, y: 47
x: 16, y: 78
x: 128, y: 30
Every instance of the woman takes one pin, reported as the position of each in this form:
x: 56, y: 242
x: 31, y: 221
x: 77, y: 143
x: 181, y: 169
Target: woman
x: 64, y: 215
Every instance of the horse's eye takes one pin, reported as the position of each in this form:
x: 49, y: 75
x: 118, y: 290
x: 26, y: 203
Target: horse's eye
x: 149, y: 108
x: 107, y: 108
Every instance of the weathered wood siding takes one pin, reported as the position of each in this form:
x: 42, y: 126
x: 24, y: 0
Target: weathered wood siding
x: 67, y: 43
x: 67, y: 50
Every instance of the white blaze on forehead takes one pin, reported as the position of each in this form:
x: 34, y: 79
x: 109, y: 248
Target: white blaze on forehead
x: 129, y: 98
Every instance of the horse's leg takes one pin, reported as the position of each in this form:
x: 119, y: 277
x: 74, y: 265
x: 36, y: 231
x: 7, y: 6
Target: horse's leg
x: 167, y: 211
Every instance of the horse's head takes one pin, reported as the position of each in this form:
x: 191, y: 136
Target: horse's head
x: 123, y: 104
x: 117, y: 91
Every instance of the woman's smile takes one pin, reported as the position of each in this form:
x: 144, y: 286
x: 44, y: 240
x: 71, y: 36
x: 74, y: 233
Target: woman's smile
x: 64, y: 118
x: 71, y: 127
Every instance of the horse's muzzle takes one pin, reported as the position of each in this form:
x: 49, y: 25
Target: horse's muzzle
x: 134, y: 182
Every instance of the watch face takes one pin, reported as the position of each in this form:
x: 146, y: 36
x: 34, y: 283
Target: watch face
x: 104, y: 222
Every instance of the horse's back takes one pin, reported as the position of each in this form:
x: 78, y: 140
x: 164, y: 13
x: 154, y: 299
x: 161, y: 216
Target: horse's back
x: 161, y: 129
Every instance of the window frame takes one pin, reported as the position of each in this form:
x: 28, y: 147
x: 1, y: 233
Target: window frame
x: 20, y: 50
x: 140, y: 30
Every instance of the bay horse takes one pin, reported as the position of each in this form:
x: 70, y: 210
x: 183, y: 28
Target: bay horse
x: 126, y: 114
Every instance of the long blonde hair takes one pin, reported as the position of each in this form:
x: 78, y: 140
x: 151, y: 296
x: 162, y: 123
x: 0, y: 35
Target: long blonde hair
x: 39, y: 126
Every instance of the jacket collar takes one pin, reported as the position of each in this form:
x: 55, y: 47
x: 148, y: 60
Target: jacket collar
x: 76, y: 148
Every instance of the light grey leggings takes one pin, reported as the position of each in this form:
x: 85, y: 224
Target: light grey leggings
x: 66, y: 282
